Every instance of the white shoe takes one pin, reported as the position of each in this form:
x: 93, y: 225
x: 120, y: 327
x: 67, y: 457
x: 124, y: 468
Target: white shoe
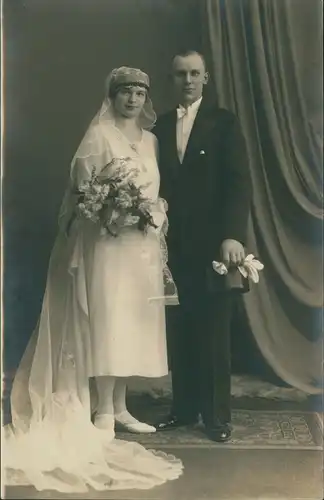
x: 127, y: 422
x: 105, y: 422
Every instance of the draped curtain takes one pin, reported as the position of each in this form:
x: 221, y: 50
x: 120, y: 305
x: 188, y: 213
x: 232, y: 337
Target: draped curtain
x: 265, y: 62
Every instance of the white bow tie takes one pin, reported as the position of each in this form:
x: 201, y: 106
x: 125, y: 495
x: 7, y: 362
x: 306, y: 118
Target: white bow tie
x: 181, y: 112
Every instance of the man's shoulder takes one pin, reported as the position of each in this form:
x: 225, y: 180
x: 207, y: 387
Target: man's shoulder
x: 221, y: 118
x: 221, y: 113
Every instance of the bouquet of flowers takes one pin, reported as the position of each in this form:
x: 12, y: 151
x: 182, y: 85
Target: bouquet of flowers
x: 114, y: 201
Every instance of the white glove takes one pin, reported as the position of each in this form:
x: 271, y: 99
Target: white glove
x: 249, y: 269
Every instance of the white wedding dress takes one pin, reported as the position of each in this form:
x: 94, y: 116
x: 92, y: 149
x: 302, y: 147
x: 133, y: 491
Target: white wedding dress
x: 127, y: 329
x: 102, y: 314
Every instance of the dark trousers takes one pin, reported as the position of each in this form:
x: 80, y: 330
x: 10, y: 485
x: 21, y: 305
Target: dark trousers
x: 200, y: 355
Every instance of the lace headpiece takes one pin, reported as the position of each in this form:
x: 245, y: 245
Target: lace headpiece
x: 125, y: 76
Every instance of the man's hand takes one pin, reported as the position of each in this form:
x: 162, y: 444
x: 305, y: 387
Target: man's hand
x: 232, y: 253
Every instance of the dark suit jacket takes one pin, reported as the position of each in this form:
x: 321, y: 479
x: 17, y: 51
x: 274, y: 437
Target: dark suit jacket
x: 209, y: 193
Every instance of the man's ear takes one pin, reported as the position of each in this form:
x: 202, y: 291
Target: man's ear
x: 206, y: 78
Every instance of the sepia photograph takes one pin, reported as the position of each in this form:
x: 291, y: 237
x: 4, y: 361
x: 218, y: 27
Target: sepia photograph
x: 162, y: 249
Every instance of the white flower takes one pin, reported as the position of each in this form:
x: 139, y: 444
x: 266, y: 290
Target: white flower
x: 105, y: 189
x: 256, y: 263
x: 220, y: 268
x: 123, y: 160
x: 97, y: 188
x: 93, y: 198
x: 131, y: 220
x: 97, y: 206
x: 124, y: 200
x: 84, y: 186
x: 249, y: 269
x: 145, y: 205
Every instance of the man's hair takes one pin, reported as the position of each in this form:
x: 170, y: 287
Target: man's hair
x: 190, y: 52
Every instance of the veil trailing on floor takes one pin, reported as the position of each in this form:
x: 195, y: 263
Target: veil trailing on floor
x: 51, y: 443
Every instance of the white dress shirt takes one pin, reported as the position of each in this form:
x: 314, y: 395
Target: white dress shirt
x: 186, y: 118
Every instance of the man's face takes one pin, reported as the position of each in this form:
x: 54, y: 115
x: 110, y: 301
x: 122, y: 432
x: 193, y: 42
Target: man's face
x: 189, y: 77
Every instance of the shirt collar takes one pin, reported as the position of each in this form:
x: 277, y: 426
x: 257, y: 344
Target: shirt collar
x: 193, y: 107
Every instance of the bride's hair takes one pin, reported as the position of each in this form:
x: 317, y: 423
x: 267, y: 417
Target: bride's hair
x: 114, y: 89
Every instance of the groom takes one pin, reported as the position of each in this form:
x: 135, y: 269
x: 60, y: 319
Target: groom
x: 205, y: 180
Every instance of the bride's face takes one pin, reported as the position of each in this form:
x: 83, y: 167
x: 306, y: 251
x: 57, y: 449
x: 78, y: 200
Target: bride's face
x: 129, y: 101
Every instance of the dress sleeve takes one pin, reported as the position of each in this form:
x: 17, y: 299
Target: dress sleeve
x: 156, y: 147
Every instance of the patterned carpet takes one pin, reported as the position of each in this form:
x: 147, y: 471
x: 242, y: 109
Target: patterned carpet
x: 251, y: 430
x: 257, y: 428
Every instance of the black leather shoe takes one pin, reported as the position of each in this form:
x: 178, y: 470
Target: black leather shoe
x: 172, y: 422
x: 220, y: 434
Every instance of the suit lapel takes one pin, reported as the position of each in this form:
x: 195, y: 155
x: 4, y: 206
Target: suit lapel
x: 204, y: 120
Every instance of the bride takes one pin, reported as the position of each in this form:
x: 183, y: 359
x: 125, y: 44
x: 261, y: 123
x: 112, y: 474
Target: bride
x: 102, y: 321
